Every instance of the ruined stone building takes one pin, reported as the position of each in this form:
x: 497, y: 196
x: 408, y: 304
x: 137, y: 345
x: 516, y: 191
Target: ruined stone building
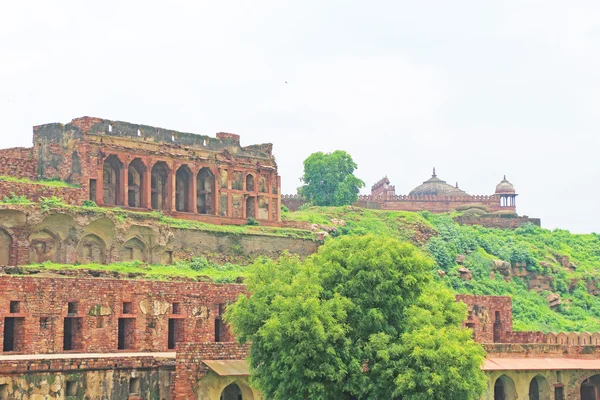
x: 113, y: 163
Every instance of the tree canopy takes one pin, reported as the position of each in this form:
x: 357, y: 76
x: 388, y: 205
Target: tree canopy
x: 359, y: 319
x: 329, y: 179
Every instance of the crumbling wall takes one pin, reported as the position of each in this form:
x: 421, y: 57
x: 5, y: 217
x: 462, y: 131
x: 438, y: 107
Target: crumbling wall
x: 508, y: 221
x: 17, y: 162
x: 98, y: 304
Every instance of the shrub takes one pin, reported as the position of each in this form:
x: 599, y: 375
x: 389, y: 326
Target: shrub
x: 14, y: 199
x: 252, y: 222
x: 48, y: 203
x: 89, y: 203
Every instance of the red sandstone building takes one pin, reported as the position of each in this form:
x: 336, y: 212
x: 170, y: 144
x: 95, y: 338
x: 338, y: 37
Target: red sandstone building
x: 140, y: 167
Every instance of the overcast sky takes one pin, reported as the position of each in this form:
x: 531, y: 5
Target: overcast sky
x: 477, y: 89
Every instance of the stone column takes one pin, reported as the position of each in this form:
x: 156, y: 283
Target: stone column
x: 100, y: 185
x: 215, y: 190
x: 269, y: 196
x: 193, y: 195
x: 146, y: 195
x: 171, y: 186
x: 229, y: 198
x: 124, y: 175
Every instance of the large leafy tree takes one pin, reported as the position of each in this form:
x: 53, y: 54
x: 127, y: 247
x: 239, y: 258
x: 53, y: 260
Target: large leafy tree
x: 360, y: 319
x: 329, y: 179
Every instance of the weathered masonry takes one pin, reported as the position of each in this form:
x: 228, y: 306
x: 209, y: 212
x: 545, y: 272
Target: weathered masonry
x: 142, y: 167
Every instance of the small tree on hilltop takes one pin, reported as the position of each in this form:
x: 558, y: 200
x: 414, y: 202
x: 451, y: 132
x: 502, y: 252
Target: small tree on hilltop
x: 358, y: 320
x: 329, y: 179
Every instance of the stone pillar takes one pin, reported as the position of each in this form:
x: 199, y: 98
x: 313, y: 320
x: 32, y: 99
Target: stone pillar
x: 193, y: 195
x: 100, y: 185
x: 229, y: 198
x: 124, y: 176
x: 215, y: 190
x: 146, y: 195
x: 269, y: 194
x: 171, y: 189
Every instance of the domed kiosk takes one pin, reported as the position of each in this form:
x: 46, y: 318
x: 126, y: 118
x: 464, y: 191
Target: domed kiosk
x: 507, y: 193
x: 434, y: 186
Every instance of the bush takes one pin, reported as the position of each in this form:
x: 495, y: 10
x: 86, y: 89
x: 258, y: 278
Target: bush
x: 48, y: 203
x: 284, y: 209
x: 252, y: 222
x: 14, y: 199
x: 89, y: 203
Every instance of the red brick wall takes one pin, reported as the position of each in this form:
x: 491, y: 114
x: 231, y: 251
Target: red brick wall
x: 17, y: 162
x: 190, y: 369
x: 35, y: 192
x: 488, y: 314
x: 103, y: 299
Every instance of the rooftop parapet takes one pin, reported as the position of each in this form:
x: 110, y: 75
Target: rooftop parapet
x: 79, y: 127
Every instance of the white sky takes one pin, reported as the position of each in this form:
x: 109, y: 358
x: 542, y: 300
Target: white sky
x: 477, y: 89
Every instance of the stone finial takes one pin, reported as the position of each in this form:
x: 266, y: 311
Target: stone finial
x: 434, y: 172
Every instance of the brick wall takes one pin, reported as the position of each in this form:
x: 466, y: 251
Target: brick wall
x: 497, y: 221
x: 17, y: 162
x: 35, y: 192
x: 98, y: 305
x: 190, y: 368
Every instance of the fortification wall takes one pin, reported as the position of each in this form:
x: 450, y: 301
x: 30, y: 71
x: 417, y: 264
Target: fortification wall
x: 497, y: 221
x: 35, y: 191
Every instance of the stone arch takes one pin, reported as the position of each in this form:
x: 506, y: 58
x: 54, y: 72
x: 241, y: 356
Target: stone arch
x: 551, y: 338
x: 590, y: 388
x: 562, y: 338
x: 5, y: 247
x: 205, y: 181
x: 44, y: 245
x: 263, y: 183
x: 504, y: 388
x: 111, y: 180
x: 91, y: 249
x: 136, y: 172
x: 183, y: 182
x: 160, y: 186
x: 237, y: 390
x: 539, y: 388
x: 134, y: 250
x: 250, y: 183
x: 595, y: 339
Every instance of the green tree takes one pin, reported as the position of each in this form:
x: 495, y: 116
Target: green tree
x: 329, y: 179
x: 356, y: 320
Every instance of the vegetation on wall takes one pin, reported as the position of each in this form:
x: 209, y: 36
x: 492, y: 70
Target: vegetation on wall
x: 329, y: 179
x: 51, y: 182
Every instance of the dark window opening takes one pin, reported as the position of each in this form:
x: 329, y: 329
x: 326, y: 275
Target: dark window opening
x: 126, y: 339
x: 71, y: 389
x: 15, y: 307
x: 134, y: 386
x: 72, y: 307
x: 99, y: 322
x: 176, y: 308
x: 93, y: 189
x: 72, y: 334
x: 44, y: 322
x: 559, y: 393
x: 127, y: 307
x: 176, y: 333
x: 13, y: 334
x: 4, y: 392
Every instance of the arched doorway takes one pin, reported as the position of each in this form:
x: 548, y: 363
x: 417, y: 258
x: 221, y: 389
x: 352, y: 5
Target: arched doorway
x: 250, y: 207
x: 182, y: 188
x: 160, y: 190
x: 5, y: 246
x: 204, y: 182
x: 136, y: 182
x: 111, y: 181
x: 504, y: 389
x: 539, y: 388
x: 590, y: 388
x: 232, y: 392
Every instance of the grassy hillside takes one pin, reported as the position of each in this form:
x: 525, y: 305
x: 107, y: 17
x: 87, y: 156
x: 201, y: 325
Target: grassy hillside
x: 570, y: 263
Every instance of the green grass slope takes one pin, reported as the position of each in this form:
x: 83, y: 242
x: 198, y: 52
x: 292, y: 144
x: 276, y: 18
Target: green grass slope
x: 570, y: 263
